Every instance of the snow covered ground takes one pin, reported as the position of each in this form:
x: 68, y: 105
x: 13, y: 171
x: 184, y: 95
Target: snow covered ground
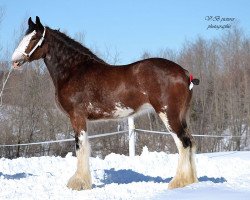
x: 222, y: 176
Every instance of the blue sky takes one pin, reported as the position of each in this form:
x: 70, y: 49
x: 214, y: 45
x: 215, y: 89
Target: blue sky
x: 126, y: 27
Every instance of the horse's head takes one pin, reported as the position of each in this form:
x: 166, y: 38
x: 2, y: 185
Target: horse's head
x: 32, y: 46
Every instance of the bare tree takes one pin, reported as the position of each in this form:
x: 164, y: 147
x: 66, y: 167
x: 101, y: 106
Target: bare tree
x: 220, y: 105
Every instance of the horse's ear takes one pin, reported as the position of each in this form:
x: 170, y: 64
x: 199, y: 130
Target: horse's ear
x: 39, y: 24
x: 31, y: 23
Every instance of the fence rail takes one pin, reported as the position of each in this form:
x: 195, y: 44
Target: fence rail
x: 195, y: 135
x: 131, y: 131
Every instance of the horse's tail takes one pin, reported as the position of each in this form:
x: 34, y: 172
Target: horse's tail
x: 193, y: 81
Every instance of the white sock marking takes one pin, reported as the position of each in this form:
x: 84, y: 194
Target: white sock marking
x: 164, y: 118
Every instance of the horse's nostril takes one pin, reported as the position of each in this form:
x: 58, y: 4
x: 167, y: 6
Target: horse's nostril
x: 15, y: 64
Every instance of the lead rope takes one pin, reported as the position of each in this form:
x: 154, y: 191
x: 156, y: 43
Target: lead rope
x: 4, y: 83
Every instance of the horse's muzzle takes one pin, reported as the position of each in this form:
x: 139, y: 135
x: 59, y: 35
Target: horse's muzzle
x: 17, y: 63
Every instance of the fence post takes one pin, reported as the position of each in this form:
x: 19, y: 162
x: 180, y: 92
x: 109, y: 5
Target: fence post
x: 131, y: 131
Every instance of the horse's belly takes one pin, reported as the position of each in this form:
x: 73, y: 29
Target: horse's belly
x: 117, y: 111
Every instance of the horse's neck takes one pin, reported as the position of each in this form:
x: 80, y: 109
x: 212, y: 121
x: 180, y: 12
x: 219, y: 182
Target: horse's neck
x: 61, y: 59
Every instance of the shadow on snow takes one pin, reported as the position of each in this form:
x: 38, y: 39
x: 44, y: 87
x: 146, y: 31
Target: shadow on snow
x: 126, y: 176
x: 212, y: 179
x: 17, y: 176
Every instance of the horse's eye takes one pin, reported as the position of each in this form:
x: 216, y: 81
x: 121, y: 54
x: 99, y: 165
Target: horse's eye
x: 32, y: 39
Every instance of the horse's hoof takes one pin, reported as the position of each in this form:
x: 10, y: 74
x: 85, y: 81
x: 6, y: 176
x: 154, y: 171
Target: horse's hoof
x: 178, y: 183
x: 174, y: 184
x: 78, y: 183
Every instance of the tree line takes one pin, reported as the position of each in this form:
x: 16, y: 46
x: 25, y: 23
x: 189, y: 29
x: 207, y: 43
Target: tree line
x: 220, y: 104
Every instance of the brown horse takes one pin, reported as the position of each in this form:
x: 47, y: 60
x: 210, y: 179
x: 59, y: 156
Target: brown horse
x: 87, y: 88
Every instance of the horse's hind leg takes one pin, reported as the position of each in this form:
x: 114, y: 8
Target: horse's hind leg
x: 81, y: 180
x: 186, y: 170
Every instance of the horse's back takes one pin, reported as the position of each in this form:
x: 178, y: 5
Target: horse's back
x: 157, y: 75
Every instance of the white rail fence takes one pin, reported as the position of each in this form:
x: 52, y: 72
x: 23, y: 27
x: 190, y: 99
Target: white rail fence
x: 131, y: 132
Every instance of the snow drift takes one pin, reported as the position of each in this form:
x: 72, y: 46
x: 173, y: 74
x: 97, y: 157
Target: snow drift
x: 223, y: 175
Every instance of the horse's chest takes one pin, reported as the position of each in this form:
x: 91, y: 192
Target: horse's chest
x: 60, y: 106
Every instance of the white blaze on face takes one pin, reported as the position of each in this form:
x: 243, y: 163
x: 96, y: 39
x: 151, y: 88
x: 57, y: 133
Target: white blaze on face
x: 18, y: 53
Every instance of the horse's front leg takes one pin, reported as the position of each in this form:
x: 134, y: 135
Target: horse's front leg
x: 81, y: 180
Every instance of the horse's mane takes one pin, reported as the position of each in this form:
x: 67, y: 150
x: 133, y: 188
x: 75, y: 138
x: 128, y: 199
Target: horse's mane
x: 75, y: 45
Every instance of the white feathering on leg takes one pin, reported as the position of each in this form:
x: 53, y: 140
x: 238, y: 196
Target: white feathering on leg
x: 186, y: 170
x: 81, y: 180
